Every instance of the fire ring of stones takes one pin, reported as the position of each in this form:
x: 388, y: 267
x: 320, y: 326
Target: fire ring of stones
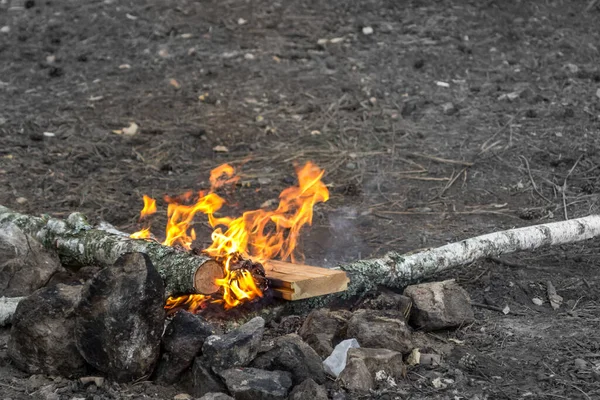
x: 110, y: 323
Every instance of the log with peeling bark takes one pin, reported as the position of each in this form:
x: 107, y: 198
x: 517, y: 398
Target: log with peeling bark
x: 78, y: 244
x: 396, y: 270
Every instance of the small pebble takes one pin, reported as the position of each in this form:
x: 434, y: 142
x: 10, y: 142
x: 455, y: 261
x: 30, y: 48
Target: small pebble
x: 580, y: 364
x: 367, y: 30
x: 537, y: 301
x: 5, y: 29
x: 249, y: 56
x: 449, y: 108
x: 21, y: 200
x: 182, y: 396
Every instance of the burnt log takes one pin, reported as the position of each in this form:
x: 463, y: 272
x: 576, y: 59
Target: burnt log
x: 80, y: 244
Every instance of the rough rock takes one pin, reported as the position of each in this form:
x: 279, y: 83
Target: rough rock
x: 203, y: 379
x: 257, y: 384
x: 393, y: 303
x: 439, y: 305
x: 42, y: 337
x: 120, y: 319
x: 308, y: 389
x: 181, y: 343
x: 356, y: 376
x: 291, y: 354
x: 235, y: 349
x: 374, y: 329
x: 322, y: 328
x: 336, y: 362
x: 216, y: 396
x: 25, y: 265
x: 377, y: 360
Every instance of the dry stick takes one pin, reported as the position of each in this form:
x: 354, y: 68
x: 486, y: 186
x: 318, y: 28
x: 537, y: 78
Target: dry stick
x: 533, y: 182
x: 564, y: 187
x: 442, y: 160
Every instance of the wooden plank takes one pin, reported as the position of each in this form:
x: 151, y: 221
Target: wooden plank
x: 299, y: 281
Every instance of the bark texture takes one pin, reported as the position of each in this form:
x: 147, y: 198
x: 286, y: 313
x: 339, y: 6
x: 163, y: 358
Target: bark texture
x: 78, y: 244
x: 395, y: 270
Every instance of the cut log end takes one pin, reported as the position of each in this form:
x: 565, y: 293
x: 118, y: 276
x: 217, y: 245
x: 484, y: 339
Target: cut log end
x: 205, y: 276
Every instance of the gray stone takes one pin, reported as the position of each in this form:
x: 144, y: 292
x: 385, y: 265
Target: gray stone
x: 120, y: 319
x: 181, y: 343
x: 235, y: 349
x: 399, y: 305
x: 308, y: 389
x: 257, y: 384
x: 25, y: 265
x: 322, y: 328
x: 377, y: 360
x: 216, y: 396
x: 291, y: 354
x: 439, y: 305
x: 356, y: 376
x: 449, y: 109
x: 41, y: 339
x: 374, y: 329
x: 203, y: 379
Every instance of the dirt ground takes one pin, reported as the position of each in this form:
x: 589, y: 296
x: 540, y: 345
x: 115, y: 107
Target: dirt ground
x: 451, y: 119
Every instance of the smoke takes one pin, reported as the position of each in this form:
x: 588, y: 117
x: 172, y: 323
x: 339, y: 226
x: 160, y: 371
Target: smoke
x: 345, y: 240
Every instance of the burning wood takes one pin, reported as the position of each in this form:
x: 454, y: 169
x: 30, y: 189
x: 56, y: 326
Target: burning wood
x: 230, y: 271
x: 242, y: 245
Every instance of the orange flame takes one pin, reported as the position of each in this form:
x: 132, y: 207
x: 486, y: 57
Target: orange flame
x: 149, y: 207
x: 259, y: 235
x: 223, y: 175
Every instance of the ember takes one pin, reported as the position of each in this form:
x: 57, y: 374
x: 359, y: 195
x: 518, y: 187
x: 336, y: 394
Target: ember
x: 239, y: 244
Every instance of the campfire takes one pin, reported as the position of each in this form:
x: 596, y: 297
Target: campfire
x: 240, y: 245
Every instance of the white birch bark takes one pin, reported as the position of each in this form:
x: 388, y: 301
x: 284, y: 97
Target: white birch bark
x: 8, y: 305
x: 397, y: 271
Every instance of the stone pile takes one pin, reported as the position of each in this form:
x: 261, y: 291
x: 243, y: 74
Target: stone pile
x: 112, y: 323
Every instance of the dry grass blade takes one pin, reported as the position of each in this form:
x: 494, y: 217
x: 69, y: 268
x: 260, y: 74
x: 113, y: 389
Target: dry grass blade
x: 564, y: 187
x: 442, y: 160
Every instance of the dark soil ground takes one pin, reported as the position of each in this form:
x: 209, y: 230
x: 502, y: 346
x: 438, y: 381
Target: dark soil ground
x: 452, y: 119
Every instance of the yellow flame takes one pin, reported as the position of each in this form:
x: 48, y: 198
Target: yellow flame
x: 259, y: 235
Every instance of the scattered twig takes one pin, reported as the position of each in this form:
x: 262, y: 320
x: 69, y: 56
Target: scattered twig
x: 590, y: 5
x: 495, y: 308
x: 564, y: 186
x: 533, y: 182
x: 507, y: 263
x: 449, y: 184
x: 442, y: 160
x: 484, y: 146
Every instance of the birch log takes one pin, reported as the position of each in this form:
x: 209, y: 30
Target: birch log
x: 78, y: 244
x: 397, y: 271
